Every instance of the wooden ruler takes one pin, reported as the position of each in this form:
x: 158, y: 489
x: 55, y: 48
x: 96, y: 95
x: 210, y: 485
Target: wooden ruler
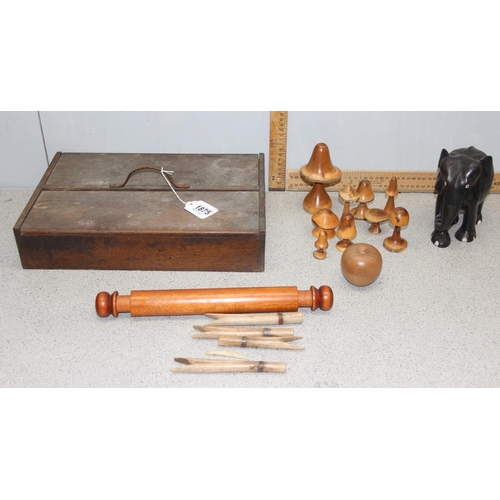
x: 281, y: 179
x: 408, y: 181
x: 278, y: 132
x: 417, y: 182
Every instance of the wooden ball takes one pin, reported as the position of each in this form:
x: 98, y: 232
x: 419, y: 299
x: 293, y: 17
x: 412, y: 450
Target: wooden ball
x: 361, y: 264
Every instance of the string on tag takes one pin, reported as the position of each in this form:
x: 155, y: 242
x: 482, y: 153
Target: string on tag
x: 170, y: 172
x: 201, y: 209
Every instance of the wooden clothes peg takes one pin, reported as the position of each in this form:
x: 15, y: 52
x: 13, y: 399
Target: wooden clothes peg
x: 273, y: 318
x: 214, y: 332
x: 228, y: 340
x: 202, y: 365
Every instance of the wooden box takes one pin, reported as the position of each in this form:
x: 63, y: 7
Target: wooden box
x: 75, y: 220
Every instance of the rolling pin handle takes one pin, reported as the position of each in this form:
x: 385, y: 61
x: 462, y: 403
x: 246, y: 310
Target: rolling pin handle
x: 322, y: 298
x: 314, y: 298
x: 105, y: 304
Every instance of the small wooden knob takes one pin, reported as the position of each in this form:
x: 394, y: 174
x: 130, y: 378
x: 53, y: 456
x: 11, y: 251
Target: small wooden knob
x: 322, y: 298
x: 105, y: 304
x: 314, y: 298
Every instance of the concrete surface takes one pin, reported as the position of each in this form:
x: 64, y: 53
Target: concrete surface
x: 430, y: 320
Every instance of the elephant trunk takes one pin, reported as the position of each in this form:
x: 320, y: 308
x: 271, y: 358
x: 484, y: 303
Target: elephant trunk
x: 445, y: 220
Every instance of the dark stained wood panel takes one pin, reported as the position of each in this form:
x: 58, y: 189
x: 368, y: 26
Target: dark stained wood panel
x: 202, y: 172
x: 74, y: 220
x: 141, y: 212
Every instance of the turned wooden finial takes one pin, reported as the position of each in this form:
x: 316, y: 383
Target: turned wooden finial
x: 320, y: 171
x: 376, y: 216
x: 321, y: 245
x: 325, y: 220
x: 399, y: 217
x: 346, y: 231
x: 348, y: 195
x: 391, y: 192
x: 365, y: 196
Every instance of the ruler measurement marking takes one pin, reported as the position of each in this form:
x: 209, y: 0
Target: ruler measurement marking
x: 281, y: 179
x: 408, y: 181
x: 278, y: 133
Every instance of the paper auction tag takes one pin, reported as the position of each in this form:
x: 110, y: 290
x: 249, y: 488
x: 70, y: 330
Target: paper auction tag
x: 201, y: 209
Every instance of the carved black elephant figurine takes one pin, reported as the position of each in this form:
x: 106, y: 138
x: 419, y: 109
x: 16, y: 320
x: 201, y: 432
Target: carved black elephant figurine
x: 464, y: 179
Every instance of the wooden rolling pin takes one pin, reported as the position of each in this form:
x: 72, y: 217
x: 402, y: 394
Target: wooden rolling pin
x: 213, y: 300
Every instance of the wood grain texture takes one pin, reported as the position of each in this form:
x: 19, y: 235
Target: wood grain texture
x: 141, y: 212
x: 278, y: 136
x: 213, y: 300
x: 201, y: 365
x: 75, y: 221
x: 256, y: 319
x: 204, y: 172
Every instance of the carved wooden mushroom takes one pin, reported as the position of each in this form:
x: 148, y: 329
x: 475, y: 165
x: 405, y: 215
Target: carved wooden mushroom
x: 365, y: 196
x: 346, y: 231
x: 321, y: 245
x: 399, y: 217
x: 376, y: 216
x: 325, y: 220
x: 348, y: 195
x: 320, y: 172
x: 391, y: 192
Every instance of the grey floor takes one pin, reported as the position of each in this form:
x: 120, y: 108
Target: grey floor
x: 430, y: 320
